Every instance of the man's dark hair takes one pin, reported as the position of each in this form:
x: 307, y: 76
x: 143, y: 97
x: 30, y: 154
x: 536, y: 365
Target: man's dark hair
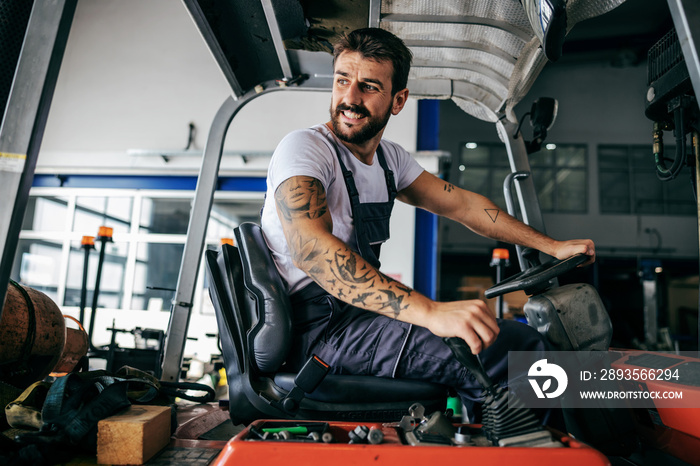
x: 379, y: 45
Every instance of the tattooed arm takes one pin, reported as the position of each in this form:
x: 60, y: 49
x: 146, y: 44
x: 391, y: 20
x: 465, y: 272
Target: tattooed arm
x: 482, y: 216
x: 307, y: 225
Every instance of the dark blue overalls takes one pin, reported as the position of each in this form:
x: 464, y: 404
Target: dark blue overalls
x: 360, y: 342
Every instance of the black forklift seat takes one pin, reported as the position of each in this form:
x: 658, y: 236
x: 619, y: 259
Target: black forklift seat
x: 253, y: 313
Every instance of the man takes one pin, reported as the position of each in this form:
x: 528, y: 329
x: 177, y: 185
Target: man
x: 330, y: 190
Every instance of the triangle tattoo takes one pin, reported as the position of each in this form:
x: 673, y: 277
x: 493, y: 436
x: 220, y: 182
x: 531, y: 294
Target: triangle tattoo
x: 493, y: 214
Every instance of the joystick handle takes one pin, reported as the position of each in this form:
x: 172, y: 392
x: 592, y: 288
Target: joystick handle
x: 464, y: 355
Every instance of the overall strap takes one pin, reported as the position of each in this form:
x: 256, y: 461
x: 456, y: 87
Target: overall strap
x: 369, y: 252
x: 388, y: 174
x: 350, y: 181
x: 353, y: 193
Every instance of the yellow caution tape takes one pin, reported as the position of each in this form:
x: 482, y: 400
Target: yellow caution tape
x: 8, y: 155
x: 12, y: 162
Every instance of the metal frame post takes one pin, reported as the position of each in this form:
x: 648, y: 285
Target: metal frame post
x: 277, y: 40
x: 194, y: 245
x: 181, y: 307
x: 25, y: 118
x: 510, y: 205
x: 375, y: 13
x: 524, y: 186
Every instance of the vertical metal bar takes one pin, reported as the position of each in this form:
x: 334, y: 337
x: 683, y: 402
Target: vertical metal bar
x: 63, y: 271
x: 696, y: 155
x: 426, y: 251
x: 65, y: 256
x: 96, y: 291
x: 375, y: 13
x: 510, y: 205
x: 277, y: 40
x: 425, y: 260
x: 196, y: 232
x: 25, y: 117
x: 525, y: 187
x: 499, y: 299
x: 194, y: 245
x: 686, y: 18
x: 132, y: 254
x: 83, y: 287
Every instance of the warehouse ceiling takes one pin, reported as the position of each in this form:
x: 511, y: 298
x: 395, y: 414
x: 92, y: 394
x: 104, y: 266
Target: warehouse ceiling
x: 483, y: 55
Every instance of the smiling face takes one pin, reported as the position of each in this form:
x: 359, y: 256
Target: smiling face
x: 361, y: 103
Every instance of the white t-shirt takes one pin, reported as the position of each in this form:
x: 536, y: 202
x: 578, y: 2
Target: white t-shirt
x: 312, y: 152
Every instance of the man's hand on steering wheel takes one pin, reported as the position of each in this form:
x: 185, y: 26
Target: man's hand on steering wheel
x: 566, y: 249
x: 568, y: 255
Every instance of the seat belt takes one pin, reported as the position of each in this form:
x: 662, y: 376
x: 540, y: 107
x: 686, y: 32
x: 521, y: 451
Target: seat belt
x: 307, y: 380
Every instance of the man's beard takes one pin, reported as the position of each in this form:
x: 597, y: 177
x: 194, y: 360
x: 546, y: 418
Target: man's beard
x: 371, y: 128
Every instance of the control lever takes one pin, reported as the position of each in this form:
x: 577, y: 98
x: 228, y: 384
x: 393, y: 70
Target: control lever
x: 464, y: 355
x: 502, y: 418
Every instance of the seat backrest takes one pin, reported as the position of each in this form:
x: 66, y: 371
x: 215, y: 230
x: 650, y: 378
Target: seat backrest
x: 251, y: 302
x: 263, y: 299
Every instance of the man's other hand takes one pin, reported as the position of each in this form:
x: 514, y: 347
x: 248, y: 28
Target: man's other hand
x: 470, y: 320
x: 566, y: 249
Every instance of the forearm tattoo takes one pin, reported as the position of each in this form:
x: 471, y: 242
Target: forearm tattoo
x: 493, y: 214
x: 364, y: 286
x: 342, y: 272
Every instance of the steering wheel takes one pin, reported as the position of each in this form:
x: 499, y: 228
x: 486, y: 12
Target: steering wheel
x: 536, y: 279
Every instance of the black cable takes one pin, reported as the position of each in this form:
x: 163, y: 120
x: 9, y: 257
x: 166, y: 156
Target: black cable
x: 679, y: 116
x: 96, y: 291
x: 520, y: 124
x: 662, y: 172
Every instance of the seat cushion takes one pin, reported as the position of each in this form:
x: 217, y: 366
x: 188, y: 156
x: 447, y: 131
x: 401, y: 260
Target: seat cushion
x: 366, y: 389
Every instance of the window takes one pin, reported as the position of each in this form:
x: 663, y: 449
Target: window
x: 142, y: 263
x: 559, y: 174
x: 628, y: 184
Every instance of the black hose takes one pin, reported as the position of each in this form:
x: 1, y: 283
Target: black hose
x: 662, y: 172
x: 520, y: 124
x: 96, y: 292
x: 83, y: 288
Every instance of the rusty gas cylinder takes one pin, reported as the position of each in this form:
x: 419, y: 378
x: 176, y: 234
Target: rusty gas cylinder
x: 32, y: 336
x: 74, y: 350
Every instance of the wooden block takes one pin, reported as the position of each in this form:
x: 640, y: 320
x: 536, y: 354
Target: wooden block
x: 133, y: 436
